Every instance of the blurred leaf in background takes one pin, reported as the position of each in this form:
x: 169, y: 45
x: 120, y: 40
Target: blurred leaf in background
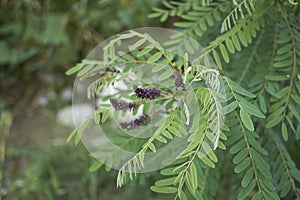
x: 43, y: 35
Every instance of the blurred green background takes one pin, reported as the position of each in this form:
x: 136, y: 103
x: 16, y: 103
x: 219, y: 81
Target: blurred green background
x: 39, y: 41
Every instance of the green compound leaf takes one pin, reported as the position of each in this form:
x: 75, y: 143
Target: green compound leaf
x: 74, y: 69
x: 95, y: 166
x: 244, y: 193
x: 284, y: 131
x: 242, y: 166
x: 246, y: 119
x: 224, y: 53
x: 165, y: 182
x: 248, y: 177
x: 155, y: 57
x: 145, y: 51
x: 231, y: 107
x: 238, y: 89
x: 163, y: 190
x: 217, y: 59
x: 137, y: 44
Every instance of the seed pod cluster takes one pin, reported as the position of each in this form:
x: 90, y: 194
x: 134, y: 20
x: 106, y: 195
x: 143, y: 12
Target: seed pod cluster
x: 147, y: 93
x: 122, y: 105
x: 179, y: 82
x: 111, y: 69
x: 106, y: 70
x: 143, y: 93
x: 142, y: 120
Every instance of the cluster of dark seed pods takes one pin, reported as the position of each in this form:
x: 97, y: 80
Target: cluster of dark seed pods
x: 112, y: 69
x: 107, y: 70
x: 143, y: 93
x: 122, y: 105
x: 179, y: 82
x: 141, y: 120
x: 147, y: 93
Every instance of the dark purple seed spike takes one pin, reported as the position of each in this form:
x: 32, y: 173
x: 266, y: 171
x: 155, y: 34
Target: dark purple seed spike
x: 121, y: 105
x: 128, y: 125
x: 142, y: 120
x: 147, y: 93
x: 179, y: 82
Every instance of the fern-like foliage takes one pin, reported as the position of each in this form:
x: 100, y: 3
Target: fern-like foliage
x: 251, y: 106
x: 236, y: 13
x: 248, y: 152
x: 249, y: 162
x: 284, y: 74
x: 189, y: 175
x: 286, y: 174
